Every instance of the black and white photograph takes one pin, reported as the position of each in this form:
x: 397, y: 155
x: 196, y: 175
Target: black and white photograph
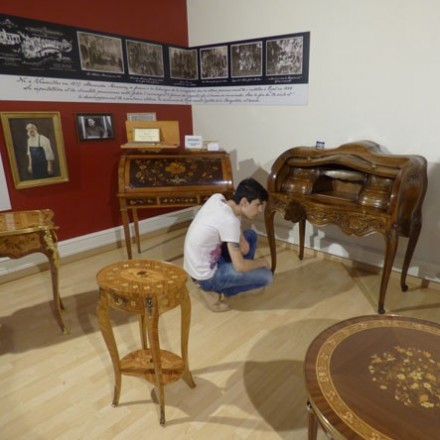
x: 183, y: 63
x: 214, y: 62
x: 284, y: 56
x: 95, y: 126
x: 145, y: 59
x: 246, y: 59
x: 100, y: 53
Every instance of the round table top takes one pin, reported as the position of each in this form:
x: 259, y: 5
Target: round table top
x: 376, y: 377
x: 141, y: 278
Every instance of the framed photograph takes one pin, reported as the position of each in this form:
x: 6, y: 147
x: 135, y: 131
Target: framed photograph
x: 145, y: 59
x: 141, y: 116
x: 100, y: 53
x: 35, y: 145
x: 183, y: 63
x: 214, y: 62
x: 246, y: 59
x: 284, y: 56
x: 95, y: 126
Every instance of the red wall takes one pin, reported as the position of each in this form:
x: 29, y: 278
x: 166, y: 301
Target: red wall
x: 87, y: 202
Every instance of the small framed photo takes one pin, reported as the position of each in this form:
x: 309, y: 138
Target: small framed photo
x: 35, y: 145
x: 141, y: 116
x: 95, y: 126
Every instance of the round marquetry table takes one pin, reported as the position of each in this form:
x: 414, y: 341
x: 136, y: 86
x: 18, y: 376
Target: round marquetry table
x: 375, y: 377
x: 148, y: 288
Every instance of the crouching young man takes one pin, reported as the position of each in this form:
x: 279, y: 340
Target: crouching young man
x: 217, y: 255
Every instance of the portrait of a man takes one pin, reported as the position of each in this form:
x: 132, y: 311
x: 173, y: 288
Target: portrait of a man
x: 35, y: 147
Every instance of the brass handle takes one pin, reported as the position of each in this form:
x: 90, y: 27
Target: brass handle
x: 118, y: 301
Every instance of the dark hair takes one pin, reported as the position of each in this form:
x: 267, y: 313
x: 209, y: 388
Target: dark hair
x: 251, y: 190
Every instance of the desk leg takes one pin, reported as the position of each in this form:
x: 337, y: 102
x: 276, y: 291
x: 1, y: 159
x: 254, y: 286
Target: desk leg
x: 268, y: 219
x: 412, y: 241
x: 136, y: 230
x: 302, y: 234
x: 51, y: 251
x: 391, y: 240
x: 126, y: 223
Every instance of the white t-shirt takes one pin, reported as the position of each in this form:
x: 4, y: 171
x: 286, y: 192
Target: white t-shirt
x: 214, y: 224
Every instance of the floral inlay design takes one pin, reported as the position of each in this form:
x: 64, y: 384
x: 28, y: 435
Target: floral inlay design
x: 411, y: 374
x: 174, y: 172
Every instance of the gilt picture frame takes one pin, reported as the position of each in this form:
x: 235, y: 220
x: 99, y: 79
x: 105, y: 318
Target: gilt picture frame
x: 35, y: 146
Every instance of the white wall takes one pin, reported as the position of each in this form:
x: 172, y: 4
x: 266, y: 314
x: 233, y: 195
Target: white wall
x: 374, y: 74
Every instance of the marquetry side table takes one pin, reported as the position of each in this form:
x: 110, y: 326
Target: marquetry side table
x: 148, y: 288
x: 375, y: 377
x: 26, y: 232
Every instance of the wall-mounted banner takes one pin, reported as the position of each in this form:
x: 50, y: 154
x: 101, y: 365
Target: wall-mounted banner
x: 50, y: 62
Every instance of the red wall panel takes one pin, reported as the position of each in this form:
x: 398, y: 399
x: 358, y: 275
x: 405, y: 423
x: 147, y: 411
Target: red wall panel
x: 87, y: 203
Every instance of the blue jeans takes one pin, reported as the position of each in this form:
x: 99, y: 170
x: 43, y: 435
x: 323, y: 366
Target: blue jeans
x: 228, y: 281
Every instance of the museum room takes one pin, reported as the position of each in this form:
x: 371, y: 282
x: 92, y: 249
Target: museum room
x: 219, y: 220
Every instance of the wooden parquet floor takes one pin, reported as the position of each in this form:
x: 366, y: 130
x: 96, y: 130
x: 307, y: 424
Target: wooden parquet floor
x: 247, y: 363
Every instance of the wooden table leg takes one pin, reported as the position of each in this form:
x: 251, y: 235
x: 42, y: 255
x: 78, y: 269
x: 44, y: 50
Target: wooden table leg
x: 153, y: 338
x: 102, y: 313
x: 51, y: 251
x: 313, y: 423
x: 185, y: 323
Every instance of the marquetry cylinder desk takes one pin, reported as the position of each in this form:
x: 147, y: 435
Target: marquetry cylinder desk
x: 26, y: 232
x: 375, y: 377
x: 148, y: 288
x: 164, y: 180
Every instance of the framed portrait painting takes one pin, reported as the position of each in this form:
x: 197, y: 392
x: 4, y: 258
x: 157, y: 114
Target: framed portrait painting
x: 95, y: 126
x: 35, y: 145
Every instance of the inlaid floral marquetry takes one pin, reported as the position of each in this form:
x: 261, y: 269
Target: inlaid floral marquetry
x: 154, y: 172
x: 411, y: 374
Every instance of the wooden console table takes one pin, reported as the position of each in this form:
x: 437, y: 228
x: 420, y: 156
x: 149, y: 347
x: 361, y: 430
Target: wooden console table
x: 158, y: 180
x: 375, y: 377
x: 26, y: 232
x: 355, y: 187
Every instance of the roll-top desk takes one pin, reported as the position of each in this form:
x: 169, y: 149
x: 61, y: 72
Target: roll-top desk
x: 356, y: 187
x: 164, y: 180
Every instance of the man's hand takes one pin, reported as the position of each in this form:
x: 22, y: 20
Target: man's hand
x: 242, y: 264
